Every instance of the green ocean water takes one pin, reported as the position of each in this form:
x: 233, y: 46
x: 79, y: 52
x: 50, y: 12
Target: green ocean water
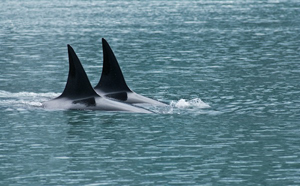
x: 230, y: 71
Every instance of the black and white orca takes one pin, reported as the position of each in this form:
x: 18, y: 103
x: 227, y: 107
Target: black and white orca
x: 112, y: 83
x: 79, y: 93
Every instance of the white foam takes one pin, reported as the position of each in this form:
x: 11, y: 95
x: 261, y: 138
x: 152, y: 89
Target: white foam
x: 6, y: 94
x: 20, y: 100
x: 193, y: 103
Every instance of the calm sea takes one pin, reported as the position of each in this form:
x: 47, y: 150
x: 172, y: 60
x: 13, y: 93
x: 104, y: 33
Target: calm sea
x: 230, y: 71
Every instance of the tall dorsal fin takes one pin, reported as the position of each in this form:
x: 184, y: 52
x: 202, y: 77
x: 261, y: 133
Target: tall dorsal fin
x: 78, y: 85
x: 112, y: 79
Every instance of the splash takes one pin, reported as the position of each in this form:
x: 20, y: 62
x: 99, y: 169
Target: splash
x: 193, y: 103
x: 26, y: 95
x: 24, y: 99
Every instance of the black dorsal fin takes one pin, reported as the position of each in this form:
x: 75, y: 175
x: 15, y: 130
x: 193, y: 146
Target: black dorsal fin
x: 78, y: 85
x: 112, y: 79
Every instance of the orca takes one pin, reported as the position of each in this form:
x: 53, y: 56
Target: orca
x: 112, y: 83
x: 80, y: 95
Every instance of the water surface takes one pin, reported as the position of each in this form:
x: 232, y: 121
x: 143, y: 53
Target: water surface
x: 228, y: 69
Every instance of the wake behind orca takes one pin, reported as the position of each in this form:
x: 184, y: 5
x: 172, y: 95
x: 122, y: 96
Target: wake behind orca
x: 112, y: 83
x: 79, y: 93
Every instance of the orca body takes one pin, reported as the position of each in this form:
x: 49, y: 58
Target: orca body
x: 79, y: 93
x: 112, y: 83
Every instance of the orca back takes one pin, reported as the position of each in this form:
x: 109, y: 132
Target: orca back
x: 112, y: 83
x: 78, y: 84
x: 112, y: 79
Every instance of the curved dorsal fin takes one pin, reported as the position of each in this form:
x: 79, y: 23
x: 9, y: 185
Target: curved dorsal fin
x: 78, y: 84
x: 112, y: 79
